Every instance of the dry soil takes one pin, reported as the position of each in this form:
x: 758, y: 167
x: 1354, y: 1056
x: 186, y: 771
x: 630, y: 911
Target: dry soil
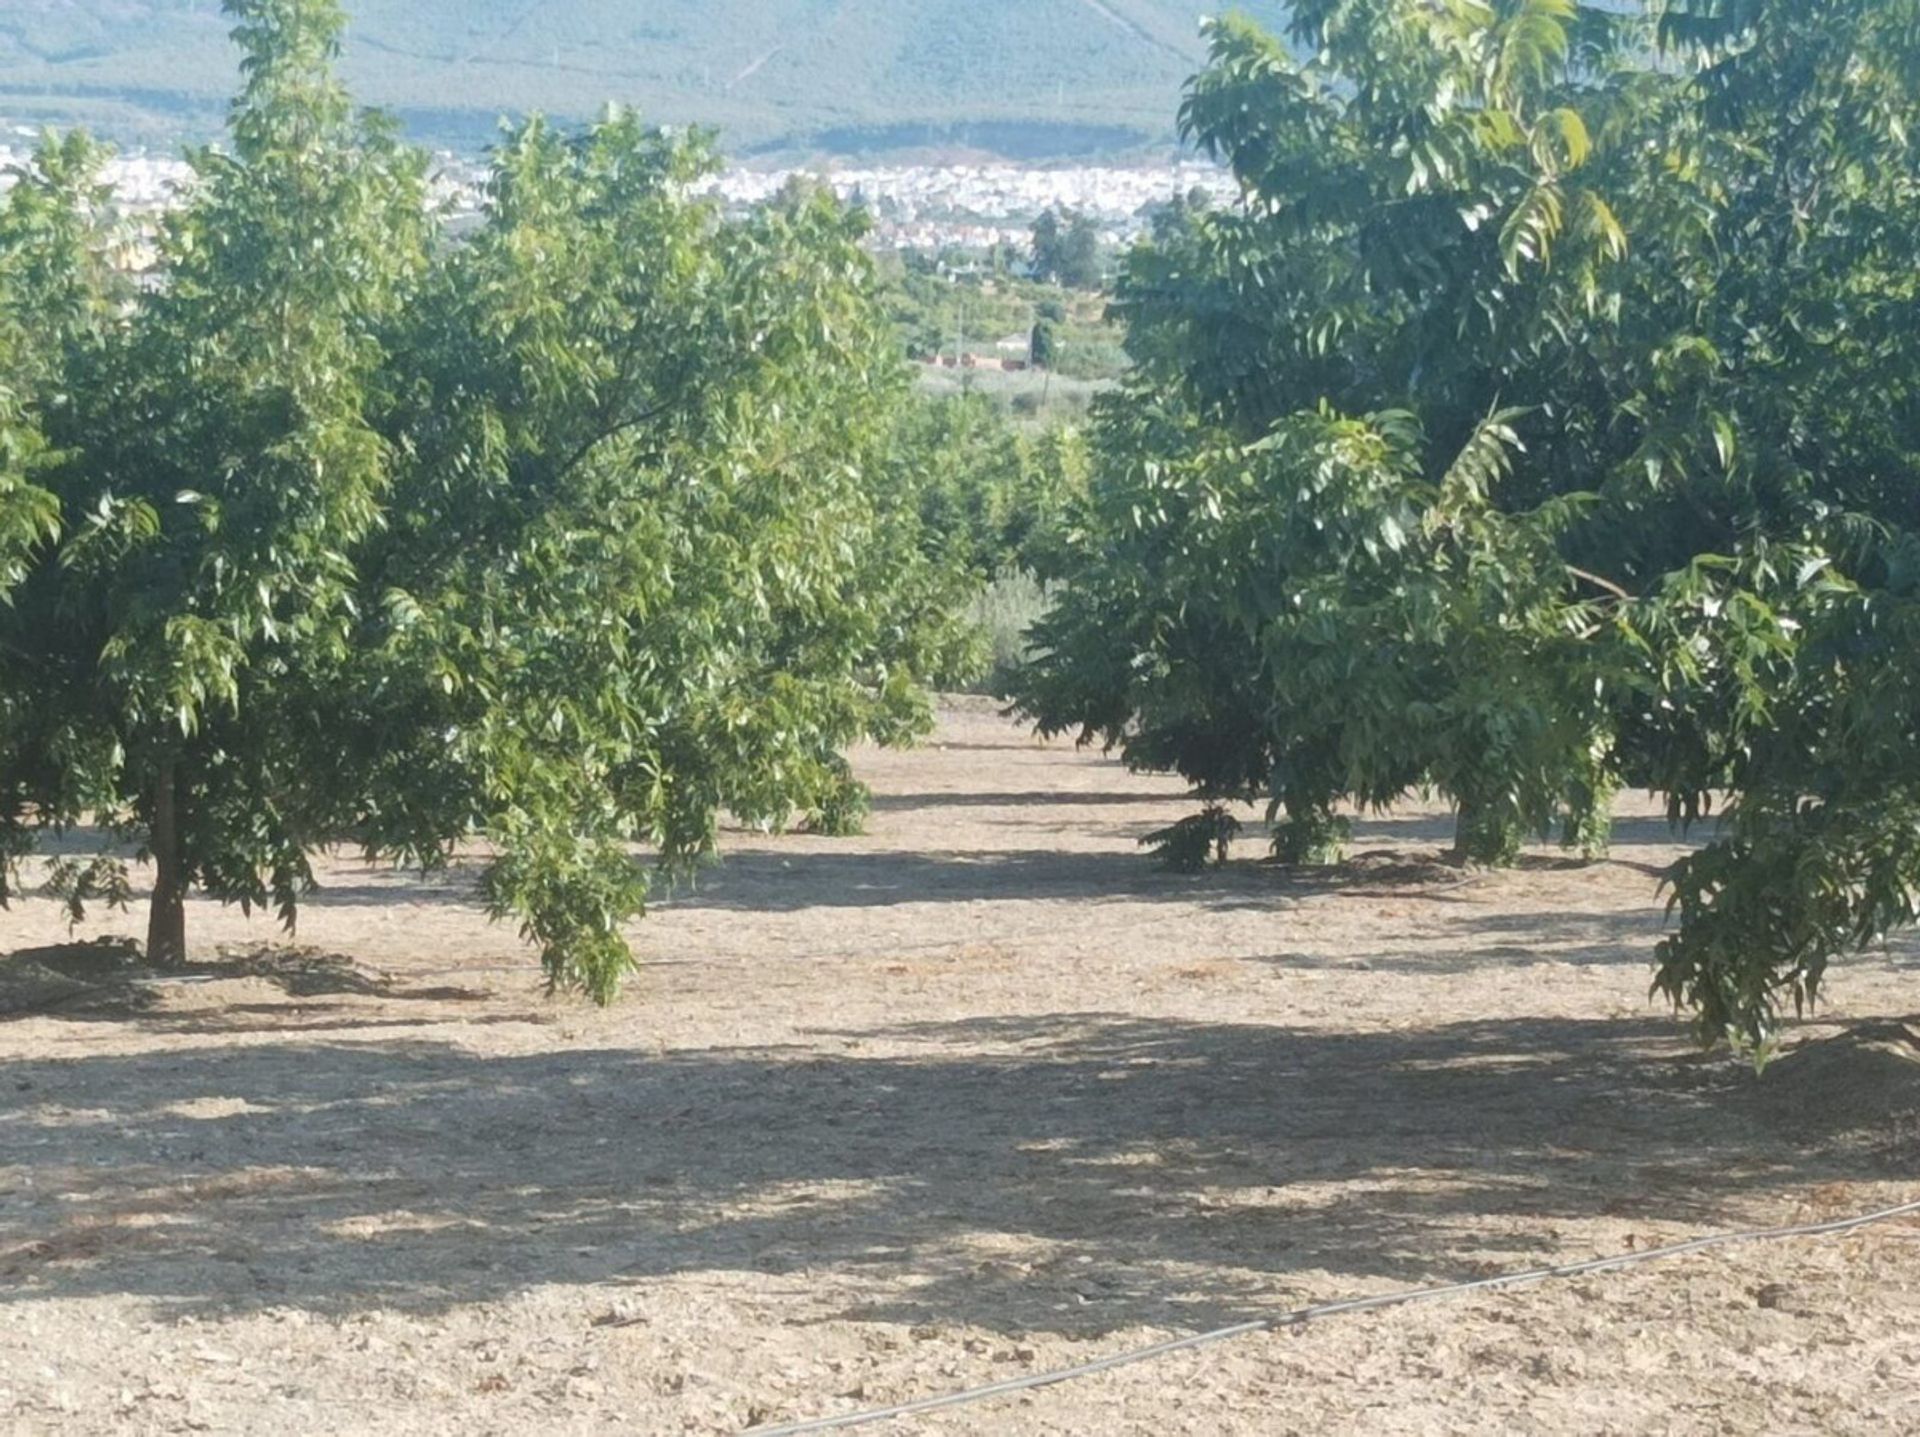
x: 980, y: 1094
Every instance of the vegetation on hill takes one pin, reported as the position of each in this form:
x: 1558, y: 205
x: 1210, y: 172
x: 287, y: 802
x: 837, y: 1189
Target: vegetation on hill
x: 1024, y: 77
x: 971, y: 307
x: 1547, y: 421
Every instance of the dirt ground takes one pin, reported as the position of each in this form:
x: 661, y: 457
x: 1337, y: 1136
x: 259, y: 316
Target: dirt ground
x: 981, y: 1094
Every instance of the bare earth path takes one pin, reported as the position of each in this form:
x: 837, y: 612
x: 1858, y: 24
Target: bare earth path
x: 978, y: 1094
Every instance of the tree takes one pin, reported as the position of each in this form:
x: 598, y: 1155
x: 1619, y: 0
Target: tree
x: 1304, y: 584
x: 644, y: 566
x: 58, y: 293
x: 1168, y: 222
x: 988, y: 499
x: 1781, y: 411
x: 1542, y: 420
x: 1066, y: 249
x: 1044, y: 347
x: 571, y: 535
x: 219, y: 470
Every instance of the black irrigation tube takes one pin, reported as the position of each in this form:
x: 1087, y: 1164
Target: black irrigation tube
x: 1300, y: 1317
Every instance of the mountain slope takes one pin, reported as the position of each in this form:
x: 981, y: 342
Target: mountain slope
x: 1010, y: 75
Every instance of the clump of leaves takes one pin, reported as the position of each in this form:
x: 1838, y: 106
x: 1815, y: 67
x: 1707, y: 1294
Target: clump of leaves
x: 843, y: 810
x: 1311, y: 838
x: 1197, y: 842
x: 74, y: 884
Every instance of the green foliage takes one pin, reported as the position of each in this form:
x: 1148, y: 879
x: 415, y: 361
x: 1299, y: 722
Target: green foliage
x: 1782, y: 446
x: 1543, y: 420
x: 571, y: 535
x: 843, y: 810
x: 990, y: 498
x: 1283, y: 603
x: 993, y: 505
x: 76, y: 884
x: 1043, y: 348
x: 1066, y: 250
x: 1195, y: 843
x: 1005, y: 612
x: 56, y: 287
x: 937, y: 312
x: 217, y: 468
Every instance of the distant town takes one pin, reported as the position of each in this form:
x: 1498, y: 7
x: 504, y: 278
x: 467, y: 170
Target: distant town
x: 928, y: 209
x: 977, y: 207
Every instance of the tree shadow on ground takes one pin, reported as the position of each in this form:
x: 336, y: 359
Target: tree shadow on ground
x: 1493, y: 940
x: 109, y: 981
x: 771, y: 881
x: 776, y: 881
x: 456, y: 887
x: 1437, y: 829
x: 1061, y: 798
x: 1076, y: 1173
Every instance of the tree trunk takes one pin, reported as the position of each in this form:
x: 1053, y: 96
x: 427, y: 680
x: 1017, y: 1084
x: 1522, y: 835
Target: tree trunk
x: 1486, y: 834
x: 1463, y: 821
x: 167, y: 915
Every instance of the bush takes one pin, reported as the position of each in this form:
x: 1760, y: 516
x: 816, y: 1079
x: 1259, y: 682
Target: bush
x: 1005, y: 611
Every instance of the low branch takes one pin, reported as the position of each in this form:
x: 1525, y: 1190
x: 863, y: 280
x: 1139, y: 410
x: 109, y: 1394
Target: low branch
x: 1600, y: 583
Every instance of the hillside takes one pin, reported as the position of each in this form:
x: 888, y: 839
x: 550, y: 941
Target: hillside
x: 1026, y: 78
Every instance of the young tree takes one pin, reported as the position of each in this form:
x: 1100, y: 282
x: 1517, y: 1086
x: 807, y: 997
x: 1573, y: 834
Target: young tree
x: 1043, y: 348
x: 1043, y: 345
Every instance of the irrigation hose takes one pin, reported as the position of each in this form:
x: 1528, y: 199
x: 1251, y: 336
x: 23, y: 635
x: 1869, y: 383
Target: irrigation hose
x: 1300, y: 1317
